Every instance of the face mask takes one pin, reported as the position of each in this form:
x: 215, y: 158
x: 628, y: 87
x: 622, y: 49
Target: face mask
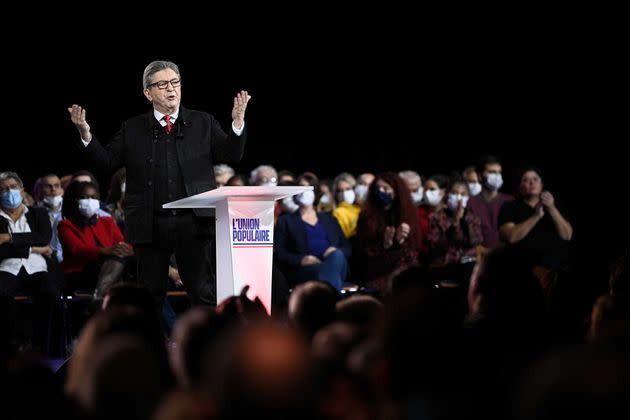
x: 385, y: 198
x: 433, y: 197
x: 11, y: 199
x: 494, y: 181
x: 325, y: 199
x: 53, y: 201
x: 454, y: 199
x: 416, y: 196
x: 348, y: 196
x: 88, y: 206
x: 474, y: 188
x: 123, y: 187
x: 306, y: 198
x: 269, y: 184
x: 361, y: 192
x: 289, y: 205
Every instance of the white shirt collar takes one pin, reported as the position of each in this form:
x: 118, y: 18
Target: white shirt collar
x: 158, y: 115
x: 6, y: 216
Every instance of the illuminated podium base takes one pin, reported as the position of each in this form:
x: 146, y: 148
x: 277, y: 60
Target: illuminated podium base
x: 244, y: 236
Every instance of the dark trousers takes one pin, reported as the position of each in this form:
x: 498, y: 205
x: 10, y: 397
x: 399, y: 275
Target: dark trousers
x: 44, y: 295
x: 189, y: 237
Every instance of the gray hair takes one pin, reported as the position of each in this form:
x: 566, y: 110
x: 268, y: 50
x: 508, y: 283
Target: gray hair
x: 222, y: 169
x: 410, y: 176
x: 7, y: 175
x: 156, y: 66
x: 253, y: 176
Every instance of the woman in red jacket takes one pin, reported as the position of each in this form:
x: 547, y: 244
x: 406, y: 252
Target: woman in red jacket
x: 94, y: 248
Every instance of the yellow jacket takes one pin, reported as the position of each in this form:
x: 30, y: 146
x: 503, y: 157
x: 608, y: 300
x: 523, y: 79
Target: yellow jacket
x: 347, y: 215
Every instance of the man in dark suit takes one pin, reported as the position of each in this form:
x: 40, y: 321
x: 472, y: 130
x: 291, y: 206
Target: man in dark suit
x: 169, y: 154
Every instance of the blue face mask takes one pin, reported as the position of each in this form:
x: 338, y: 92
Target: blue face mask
x: 385, y: 198
x: 11, y: 199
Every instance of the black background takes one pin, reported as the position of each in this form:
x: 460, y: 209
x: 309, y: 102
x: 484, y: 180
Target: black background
x: 329, y: 96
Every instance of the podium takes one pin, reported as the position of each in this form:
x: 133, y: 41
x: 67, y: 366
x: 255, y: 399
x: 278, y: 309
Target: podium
x: 244, y: 236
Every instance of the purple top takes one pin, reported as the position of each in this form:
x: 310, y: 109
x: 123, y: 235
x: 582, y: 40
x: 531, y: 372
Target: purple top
x: 317, y: 239
x: 488, y: 214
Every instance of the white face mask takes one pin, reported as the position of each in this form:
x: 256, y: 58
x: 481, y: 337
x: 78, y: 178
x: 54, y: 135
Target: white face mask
x: 361, y: 191
x: 325, y: 199
x: 416, y: 196
x: 494, y: 181
x: 123, y: 187
x: 88, y: 206
x: 348, y: 196
x: 53, y: 201
x: 289, y: 205
x: 306, y: 198
x: 474, y: 188
x: 433, y: 197
x: 454, y: 199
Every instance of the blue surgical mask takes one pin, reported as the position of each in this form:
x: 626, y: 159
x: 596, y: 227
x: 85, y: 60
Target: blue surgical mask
x: 385, y: 198
x: 11, y: 199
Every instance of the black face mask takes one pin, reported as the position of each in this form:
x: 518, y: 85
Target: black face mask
x: 385, y: 198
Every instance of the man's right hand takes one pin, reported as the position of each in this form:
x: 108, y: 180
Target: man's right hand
x: 77, y: 115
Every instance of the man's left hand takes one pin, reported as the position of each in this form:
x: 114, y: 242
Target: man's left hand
x: 240, y: 104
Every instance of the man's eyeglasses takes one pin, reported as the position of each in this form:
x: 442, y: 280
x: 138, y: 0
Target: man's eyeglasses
x: 9, y: 187
x: 162, y: 84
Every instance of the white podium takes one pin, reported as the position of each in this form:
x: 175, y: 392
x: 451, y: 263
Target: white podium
x: 244, y: 236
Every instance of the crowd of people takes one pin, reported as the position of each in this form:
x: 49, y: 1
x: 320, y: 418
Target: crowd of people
x: 395, y: 295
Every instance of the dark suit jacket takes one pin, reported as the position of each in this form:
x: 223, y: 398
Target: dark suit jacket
x: 291, y: 245
x: 40, y: 234
x: 200, y: 143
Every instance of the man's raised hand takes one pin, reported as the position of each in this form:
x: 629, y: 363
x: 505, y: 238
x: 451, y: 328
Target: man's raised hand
x: 77, y: 115
x: 238, y: 111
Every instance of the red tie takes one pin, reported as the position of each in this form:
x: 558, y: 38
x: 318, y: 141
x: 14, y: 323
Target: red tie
x: 169, y: 124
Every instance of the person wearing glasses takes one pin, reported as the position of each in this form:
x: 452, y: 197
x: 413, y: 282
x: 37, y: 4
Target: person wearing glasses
x: 169, y: 154
x: 24, y: 249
